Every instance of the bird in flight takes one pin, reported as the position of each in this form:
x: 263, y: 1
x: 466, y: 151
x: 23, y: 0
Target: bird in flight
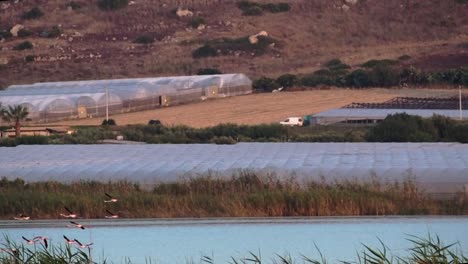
x: 75, y: 224
x: 22, y: 217
x: 29, y: 241
x: 43, y: 239
x: 69, y: 241
x: 111, y: 199
x: 70, y: 213
x: 83, y: 245
x: 111, y: 215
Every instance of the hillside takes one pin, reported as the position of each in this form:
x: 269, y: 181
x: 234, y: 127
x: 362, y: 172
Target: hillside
x: 86, y: 42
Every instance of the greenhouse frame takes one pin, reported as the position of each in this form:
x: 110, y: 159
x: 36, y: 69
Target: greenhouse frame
x: 435, y: 167
x: 368, y: 115
x: 51, y: 101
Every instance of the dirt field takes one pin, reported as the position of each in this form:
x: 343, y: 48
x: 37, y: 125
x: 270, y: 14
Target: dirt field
x: 260, y: 108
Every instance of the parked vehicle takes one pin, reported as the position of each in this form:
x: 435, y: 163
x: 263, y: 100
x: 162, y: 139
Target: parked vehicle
x: 293, y: 121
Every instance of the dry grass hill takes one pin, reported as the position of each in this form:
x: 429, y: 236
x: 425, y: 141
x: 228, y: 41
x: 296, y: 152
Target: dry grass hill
x: 93, y: 43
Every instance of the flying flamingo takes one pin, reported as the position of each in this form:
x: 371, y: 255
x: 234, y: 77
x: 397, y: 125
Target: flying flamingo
x: 75, y: 224
x: 111, y: 215
x: 29, y: 241
x: 43, y: 239
x: 69, y: 241
x: 70, y: 213
x: 111, y: 199
x: 83, y: 245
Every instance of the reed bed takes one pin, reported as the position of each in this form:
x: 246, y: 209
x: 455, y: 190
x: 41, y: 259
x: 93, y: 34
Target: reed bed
x: 430, y: 250
x: 242, y: 195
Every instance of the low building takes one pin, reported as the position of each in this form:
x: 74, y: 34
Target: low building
x: 36, y: 131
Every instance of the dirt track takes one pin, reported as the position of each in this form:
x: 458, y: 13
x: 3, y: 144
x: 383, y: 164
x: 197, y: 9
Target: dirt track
x: 259, y: 108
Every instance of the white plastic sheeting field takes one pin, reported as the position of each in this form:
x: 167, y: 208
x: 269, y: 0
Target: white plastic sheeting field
x: 438, y: 167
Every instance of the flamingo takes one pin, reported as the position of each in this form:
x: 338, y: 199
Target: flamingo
x: 70, y: 213
x: 29, y: 241
x: 75, y: 224
x: 22, y: 217
x: 83, y: 245
x: 111, y: 199
x: 69, y: 241
x: 111, y: 215
x: 44, y: 240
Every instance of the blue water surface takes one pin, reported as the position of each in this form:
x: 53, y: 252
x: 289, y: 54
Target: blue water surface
x: 187, y: 240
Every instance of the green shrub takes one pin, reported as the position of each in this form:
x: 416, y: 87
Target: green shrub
x: 276, y: 8
x: 24, y: 140
x: 332, y: 63
x: 208, y: 71
x: 459, y: 133
x: 287, y: 80
x: 265, y: 84
x: 403, y: 128
x: 196, y: 22
x: 204, y: 51
x: 376, y: 63
x: 4, y: 34
x: 253, y: 11
x: 313, y: 80
x: 23, y: 46
x: 223, y: 140
x: 22, y: 33
x: 256, y: 9
x: 404, y: 57
x: 55, y: 32
x: 109, y: 122
x: 384, y: 76
x: 112, y: 4
x: 144, y: 39
x: 34, y: 13
x: 29, y: 58
x: 358, y: 78
x: 154, y: 122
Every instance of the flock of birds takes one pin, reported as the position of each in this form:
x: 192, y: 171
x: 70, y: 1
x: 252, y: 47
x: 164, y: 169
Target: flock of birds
x: 71, y: 215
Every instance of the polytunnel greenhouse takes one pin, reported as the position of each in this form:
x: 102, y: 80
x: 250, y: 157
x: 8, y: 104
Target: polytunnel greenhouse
x: 435, y: 167
x: 51, y: 101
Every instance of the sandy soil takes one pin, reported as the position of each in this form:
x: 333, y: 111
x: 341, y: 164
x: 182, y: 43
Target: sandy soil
x: 259, y: 108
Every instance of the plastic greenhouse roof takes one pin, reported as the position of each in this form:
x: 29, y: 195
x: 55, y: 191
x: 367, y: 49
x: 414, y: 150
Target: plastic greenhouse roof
x: 56, y: 95
x: 168, y: 84
x: 382, y: 113
x: 437, y: 166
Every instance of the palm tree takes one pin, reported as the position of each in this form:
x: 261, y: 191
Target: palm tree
x: 15, y: 113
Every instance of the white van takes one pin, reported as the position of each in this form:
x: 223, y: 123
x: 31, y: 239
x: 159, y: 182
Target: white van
x: 293, y: 121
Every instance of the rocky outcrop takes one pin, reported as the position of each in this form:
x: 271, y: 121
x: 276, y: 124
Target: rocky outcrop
x: 351, y: 2
x: 14, y: 30
x: 254, y: 38
x: 181, y: 12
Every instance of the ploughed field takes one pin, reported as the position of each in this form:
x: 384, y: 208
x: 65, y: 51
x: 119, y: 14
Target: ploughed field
x: 261, y: 108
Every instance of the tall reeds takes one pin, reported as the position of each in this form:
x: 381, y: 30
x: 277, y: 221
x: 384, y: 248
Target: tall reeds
x: 243, y: 195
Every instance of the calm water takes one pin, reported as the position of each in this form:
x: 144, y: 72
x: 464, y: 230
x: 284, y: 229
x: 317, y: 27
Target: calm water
x: 176, y: 241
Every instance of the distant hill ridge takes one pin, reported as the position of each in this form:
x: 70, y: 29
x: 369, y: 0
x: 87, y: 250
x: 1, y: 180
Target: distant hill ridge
x: 78, y: 40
